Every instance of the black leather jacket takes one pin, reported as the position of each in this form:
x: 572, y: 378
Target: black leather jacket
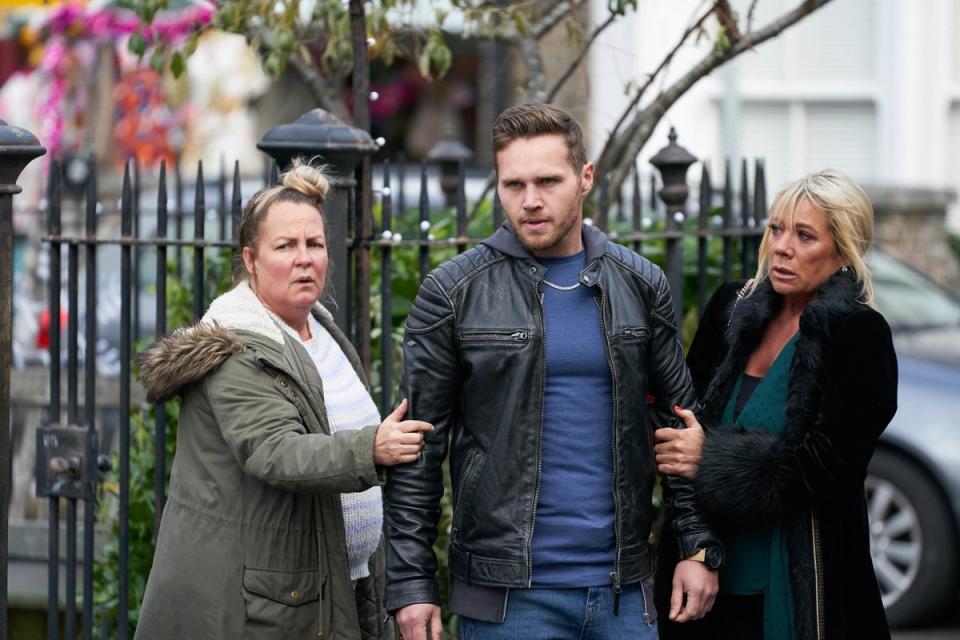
x: 474, y: 366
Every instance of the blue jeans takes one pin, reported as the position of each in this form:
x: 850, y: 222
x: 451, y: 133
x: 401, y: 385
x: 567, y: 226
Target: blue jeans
x: 569, y: 614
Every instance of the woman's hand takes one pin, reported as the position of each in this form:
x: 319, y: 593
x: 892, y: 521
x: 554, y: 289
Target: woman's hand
x: 399, y: 440
x: 679, y: 450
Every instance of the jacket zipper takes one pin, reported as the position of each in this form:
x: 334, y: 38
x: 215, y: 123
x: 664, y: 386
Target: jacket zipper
x: 474, y: 456
x: 639, y: 332
x: 646, y: 611
x: 817, y: 575
x: 496, y: 336
x: 615, y: 574
x: 536, y: 485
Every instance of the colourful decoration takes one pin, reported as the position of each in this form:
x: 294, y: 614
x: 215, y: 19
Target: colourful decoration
x: 144, y: 121
x: 77, y: 21
x: 70, y: 35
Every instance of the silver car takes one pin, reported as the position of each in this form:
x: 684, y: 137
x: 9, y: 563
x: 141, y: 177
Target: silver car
x: 913, y: 483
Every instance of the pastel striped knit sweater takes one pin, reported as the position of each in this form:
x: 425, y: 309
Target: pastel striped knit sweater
x: 349, y: 406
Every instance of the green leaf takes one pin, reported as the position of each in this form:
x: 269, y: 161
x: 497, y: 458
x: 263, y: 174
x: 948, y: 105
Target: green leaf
x: 722, y: 42
x: 619, y: 7
x: 158, y: 61
x: 442, y: 58
x: 191, y: 45
x: 178, y: 64
x: 574, y: 30
x: 423, y: 62
x: 271, y: 64
x: 229, y: 17
x: 520, y: 22
x: 304, y: 52
x: 150, y: 10
x: 344, y: 51
x: 137, y: 44
x: 285, y: 40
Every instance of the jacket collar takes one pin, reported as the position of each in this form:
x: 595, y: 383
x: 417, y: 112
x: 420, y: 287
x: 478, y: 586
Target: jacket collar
x: 234, y: 322
x: 241, y: 310
x: 833, y: 301
x: 506, y: 241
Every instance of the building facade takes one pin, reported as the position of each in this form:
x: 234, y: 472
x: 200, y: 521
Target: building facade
x: 868, y: 87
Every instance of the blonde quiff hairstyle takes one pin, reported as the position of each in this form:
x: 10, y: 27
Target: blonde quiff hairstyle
x: 302, y: 183
x: 849, y: 215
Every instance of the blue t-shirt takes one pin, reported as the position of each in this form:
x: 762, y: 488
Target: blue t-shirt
x: 573, y: 535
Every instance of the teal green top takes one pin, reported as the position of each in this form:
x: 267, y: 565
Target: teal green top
x: 757, y: 557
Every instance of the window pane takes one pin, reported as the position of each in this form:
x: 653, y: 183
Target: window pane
x: 955, y: 34
x: 839, y: 42
x: 842, y: 137
x: 765, y: 133
x: 765, y: 62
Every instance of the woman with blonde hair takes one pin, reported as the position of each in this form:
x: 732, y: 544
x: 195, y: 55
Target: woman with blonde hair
x: 797, y: 378
x: 272, y: 527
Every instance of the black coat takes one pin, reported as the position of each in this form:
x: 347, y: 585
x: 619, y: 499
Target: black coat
x: 841, y: 395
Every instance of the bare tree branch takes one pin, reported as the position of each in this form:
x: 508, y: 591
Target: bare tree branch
x: 327, y: 95
x: 530, y: 48
x: 618, y: 156
x: 561, y: 10
x: 579, y: 58
x: 554, y: 13
x: 753, y: 6
x: 613, y: 137
x: 725, y: 16
x: 536, y: 85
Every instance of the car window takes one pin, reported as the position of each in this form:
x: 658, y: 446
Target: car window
x: 907, y: 298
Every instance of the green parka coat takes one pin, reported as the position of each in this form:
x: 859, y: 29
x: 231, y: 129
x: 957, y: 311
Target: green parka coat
x: 252, y: 542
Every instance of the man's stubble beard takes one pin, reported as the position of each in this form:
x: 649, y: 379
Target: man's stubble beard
x: 545, y: 243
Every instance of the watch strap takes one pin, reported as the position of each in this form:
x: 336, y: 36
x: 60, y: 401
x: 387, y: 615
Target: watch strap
x: 699, y: 556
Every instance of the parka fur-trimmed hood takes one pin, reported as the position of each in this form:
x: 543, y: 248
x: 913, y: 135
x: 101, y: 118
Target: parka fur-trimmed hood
x: 190, y: 353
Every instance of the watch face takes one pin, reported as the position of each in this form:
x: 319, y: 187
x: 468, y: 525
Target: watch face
x: 714, y: 558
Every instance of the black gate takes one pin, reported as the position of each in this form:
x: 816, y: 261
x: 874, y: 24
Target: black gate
x: 83, y: 466
x: 71, y: 450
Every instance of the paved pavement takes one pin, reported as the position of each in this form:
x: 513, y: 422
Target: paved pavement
x: 940, y: 633
x: 948, y: 629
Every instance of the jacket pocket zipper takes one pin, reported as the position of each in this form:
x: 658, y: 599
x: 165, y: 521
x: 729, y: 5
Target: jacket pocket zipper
x: 636, y: 333
x: 494, y: 336
x: 457, y: 511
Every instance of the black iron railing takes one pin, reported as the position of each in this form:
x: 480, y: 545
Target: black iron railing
x: 394, y: 242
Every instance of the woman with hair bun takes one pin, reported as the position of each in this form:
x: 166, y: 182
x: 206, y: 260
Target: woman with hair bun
x: 797, y: 377
x: 272, y: 526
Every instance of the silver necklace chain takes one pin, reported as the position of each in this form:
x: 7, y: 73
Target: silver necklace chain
x: 561, y: 287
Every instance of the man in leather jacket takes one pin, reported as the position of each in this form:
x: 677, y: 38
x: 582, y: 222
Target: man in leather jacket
x: 543, y: 357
